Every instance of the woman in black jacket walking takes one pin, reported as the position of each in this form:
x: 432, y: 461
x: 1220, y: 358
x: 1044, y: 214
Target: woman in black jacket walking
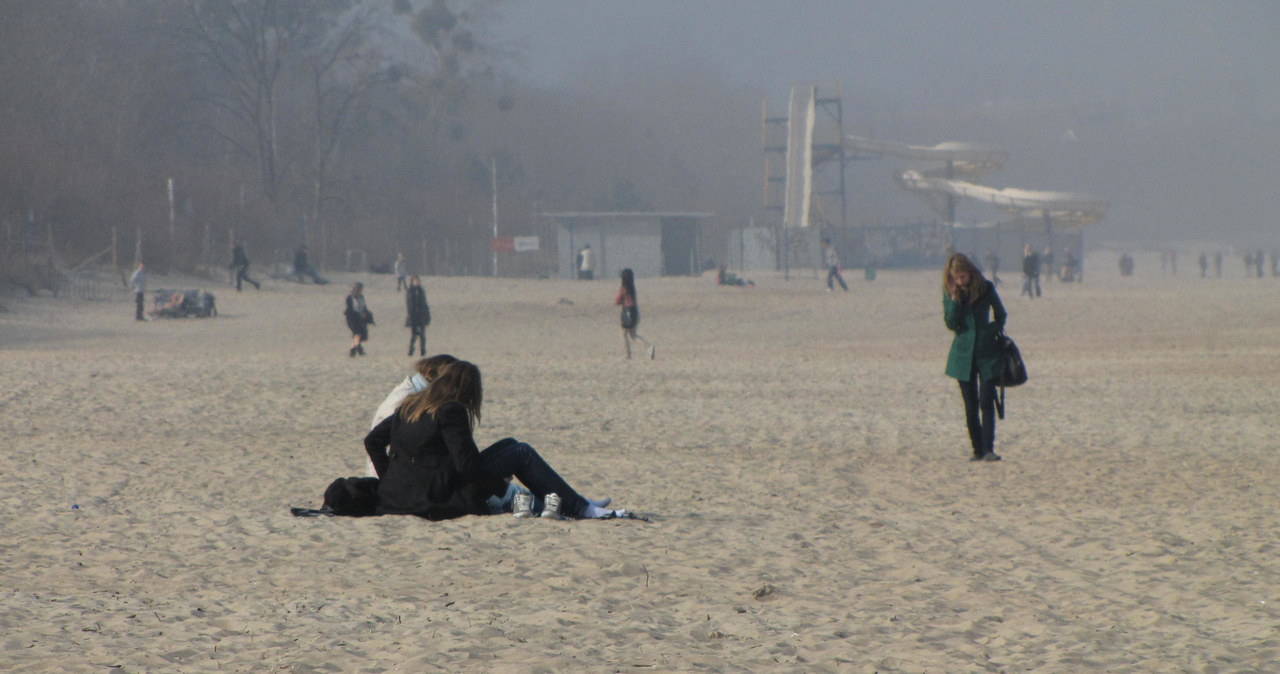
x: 417, y: 315
x: 359, y: 318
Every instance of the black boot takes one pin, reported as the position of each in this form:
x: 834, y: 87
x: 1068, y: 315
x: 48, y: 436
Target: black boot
x: 353, y: 352
x: 360, y: 349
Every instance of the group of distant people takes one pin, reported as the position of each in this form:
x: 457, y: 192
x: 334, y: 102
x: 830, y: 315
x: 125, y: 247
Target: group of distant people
x: 1033, y: 263
x: 359, y: 316
x: 1255, y: 263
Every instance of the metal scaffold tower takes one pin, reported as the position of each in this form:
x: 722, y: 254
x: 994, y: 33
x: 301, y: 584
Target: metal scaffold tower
x: 805, y: 160
x: 804, y: 167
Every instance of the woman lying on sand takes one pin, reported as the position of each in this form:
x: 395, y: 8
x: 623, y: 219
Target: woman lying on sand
x: 434, y: 470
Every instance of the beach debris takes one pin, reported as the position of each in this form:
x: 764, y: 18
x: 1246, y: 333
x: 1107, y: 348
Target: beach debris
x: 764, y: 591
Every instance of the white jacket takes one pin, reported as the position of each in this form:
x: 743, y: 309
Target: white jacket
x: 414, y: 383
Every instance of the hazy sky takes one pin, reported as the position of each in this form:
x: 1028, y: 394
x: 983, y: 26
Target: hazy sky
x: 916, y: 50
x: 1201, y: 64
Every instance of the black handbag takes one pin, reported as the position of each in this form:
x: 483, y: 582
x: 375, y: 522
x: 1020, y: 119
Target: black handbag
x: 1013, y: 371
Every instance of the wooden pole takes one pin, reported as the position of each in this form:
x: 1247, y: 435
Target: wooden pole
x: 169, y: 189
x: 115, y: 257
x: 494, y: 164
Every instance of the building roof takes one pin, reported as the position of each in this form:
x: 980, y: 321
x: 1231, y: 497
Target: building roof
x: 628, y: 214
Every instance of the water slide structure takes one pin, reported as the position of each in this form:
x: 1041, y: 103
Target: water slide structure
x: 808, y: 191
x: 964, y: 163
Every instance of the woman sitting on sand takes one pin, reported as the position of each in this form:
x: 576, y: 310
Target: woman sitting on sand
x: 424, y: 371
x: 434, y: 470
x: 427, y: 370
x: 972, y: 309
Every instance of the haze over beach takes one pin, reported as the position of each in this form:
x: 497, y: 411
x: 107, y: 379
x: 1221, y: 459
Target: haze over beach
x: 1165, y: 109
x: 799, y: 456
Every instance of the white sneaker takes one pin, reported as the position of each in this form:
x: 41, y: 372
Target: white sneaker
x: 551, y: 507
x: 653, y: 352
x: 522, y: 505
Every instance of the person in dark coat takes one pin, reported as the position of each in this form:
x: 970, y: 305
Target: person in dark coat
x: 1030, y: 272
x: 359, y: 318
x: 302, y: 266
x: 418, y: 315
x: 428, y: 464
x: 971, y: 308
x: 240, y: 267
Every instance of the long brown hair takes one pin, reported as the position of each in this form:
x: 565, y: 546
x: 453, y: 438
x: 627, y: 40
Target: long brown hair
x: 458, y: 382
x: 959, y: 262
x: 629, y: 283
x: 431, y: 366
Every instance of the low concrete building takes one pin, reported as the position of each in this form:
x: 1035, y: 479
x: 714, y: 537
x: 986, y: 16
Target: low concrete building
x: 650, y: 243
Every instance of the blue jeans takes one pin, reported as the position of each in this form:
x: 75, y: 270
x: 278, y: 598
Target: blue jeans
x: 980, y: 412
x: 833, y: 274
x: 1029, y: 282
x: 508, y: 457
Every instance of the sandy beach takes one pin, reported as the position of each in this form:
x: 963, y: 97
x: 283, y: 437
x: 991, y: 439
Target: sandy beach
x: 801, y: 456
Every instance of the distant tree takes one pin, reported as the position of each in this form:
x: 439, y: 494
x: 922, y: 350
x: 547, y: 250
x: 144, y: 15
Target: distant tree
x: 247, y: 48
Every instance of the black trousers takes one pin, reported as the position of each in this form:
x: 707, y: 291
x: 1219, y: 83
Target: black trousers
x: 508, y: 457
x: 140, y: 302
x: 242, y: 274
x: 418, y: 332
x: 980, y: 412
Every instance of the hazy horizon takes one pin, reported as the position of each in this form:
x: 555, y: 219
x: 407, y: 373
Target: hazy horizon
x: 1166, y: 109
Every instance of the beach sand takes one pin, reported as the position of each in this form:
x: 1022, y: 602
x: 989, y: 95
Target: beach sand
x: 801, y: 455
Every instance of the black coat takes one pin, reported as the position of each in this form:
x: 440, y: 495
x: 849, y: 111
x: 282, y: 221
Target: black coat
x: 417, y: 313
x: 433, y: 467
x: 357, y: 321
x: 1031, y: 264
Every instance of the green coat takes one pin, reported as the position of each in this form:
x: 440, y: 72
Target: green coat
x: 975, y: 327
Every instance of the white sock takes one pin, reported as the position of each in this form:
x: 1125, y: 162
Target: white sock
x: 594, y: 512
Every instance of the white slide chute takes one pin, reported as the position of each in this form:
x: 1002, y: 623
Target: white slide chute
x: 1031, y: 208
x: 799, y: 190
x: 1065, y: 208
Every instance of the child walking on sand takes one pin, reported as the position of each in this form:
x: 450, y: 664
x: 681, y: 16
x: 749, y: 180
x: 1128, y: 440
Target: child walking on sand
x: 626, y: 298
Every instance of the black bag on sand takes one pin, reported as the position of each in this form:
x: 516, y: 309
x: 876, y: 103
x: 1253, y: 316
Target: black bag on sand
x: 349, y: 496
x: 1013, y: 371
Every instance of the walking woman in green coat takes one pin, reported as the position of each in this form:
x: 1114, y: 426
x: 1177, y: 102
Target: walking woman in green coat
x: 972, y: 310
